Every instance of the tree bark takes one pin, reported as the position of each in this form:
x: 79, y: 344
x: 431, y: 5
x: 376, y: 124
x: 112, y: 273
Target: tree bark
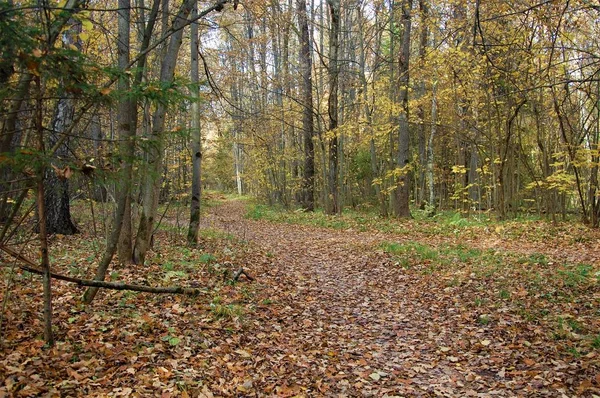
x: 196, y: 134
x: 57, y: 198
x: 308, y: 178
x: 154, y: 153
x: 334, y: 205
x: 125, y: 124
x: 401, y: 205
x: 43, y: 234
x: 423, y: 45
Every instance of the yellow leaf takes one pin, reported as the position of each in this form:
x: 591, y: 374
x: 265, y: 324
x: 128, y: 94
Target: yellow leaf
x: 87, y: 24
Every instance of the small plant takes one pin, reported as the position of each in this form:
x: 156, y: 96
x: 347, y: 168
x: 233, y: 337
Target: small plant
x: 175, y: 275
x: 534, y: 258
x: 171, y: 339
x: 573, y: 351
x: 225, y: 311
x: 257, y: 212
x: 504, y: 294
x: 596, y: 341
x: 207, y: 258
x: 575, y: 326
x: 483, y: 319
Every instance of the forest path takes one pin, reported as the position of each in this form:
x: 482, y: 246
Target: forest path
x: 345, y: 322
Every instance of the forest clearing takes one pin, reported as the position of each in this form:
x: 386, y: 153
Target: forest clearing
x: 299, y: 198
x: 333, y: 310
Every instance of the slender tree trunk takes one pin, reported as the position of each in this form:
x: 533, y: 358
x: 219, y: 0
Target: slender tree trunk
x: 432, y: 136
x: 334, y: 205
x: 401, y: 205
x: 125, y: 244
x: 194, y: 226
x: 126, y: 127
x: 308, y: 178
x: 423, y: 45
x: 593, y: 198
x: 154, y: 154
x: 43, y: 234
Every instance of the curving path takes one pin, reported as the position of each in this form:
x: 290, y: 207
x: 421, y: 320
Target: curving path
x: 345, y: 322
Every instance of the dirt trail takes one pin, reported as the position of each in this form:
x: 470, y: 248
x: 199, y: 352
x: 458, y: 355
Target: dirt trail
x: 346, y: 323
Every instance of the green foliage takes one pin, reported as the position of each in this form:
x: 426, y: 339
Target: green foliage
x: 421, y: 251
x: 360, y: 165
x: 171, y: 338
x: 207, y: 258
x: 257, y: 212
x: 225, y: 311
x: 577, y: 276
x: 596, y: 341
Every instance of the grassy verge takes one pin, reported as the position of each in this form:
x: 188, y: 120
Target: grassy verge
x: 558, y: 300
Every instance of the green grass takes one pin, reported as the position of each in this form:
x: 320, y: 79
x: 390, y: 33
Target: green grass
x: 225, y: 311
x: 410, y: 254
x: 576, y: 276
x: 207, y: 258
x: 596, y: 341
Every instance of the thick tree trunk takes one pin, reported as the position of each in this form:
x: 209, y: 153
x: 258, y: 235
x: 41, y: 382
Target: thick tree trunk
x: 308, y: 178
x: 57, y: 198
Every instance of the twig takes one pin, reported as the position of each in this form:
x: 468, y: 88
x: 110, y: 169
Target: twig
x: 30, y: 266
x: 241, y: 272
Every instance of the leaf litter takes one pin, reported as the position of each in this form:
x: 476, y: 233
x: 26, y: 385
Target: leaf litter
x: 331, y: 313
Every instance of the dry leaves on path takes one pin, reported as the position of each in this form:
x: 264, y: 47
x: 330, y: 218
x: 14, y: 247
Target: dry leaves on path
x: 331, y: 313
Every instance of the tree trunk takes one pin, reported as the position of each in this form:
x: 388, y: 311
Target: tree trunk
x: 43, y: 234
x: 423, y: 45
x: 154, y: 153
x: 334, y: 205
x: 126, y: 127
x: 196, y: 134
x: 308, y: 178
x: 125, y: 245
x: 432, y: 134
x: 401, y: 204
x: 57, y: 198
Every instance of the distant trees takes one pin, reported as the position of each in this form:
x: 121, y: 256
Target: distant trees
x: 487, y: 106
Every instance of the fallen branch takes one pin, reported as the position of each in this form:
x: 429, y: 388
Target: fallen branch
x: 30, y: 266
x: 241, y: 272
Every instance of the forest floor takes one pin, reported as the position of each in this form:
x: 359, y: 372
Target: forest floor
x: 409, y: 309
